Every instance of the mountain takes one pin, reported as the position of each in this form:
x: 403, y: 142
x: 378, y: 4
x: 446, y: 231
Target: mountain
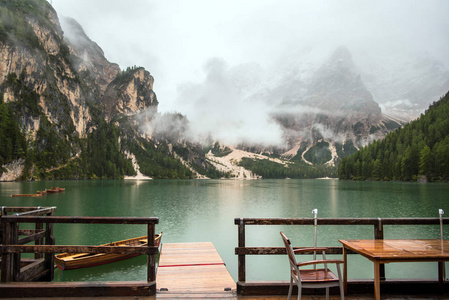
x: 332, y: 114
x: 338, y: 87
x: 418, y: 151
x: 67, y: 112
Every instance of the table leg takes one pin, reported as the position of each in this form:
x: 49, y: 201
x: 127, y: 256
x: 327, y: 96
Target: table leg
x: 376, y: 280
x: 345, y: 270
x: 441, y: 274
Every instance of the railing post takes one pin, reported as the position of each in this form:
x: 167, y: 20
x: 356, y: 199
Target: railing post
x: 16, y: 256
x: 6, y: 257
x: 151, y: 268
x: 242, y: 258
x: 49, y: 257
x: 10, y: 261
x: 379, y: 235
x: 2, y: 214
x: 38, y: 227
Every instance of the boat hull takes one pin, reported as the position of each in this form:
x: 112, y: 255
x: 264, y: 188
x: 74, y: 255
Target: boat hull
x: 70, y: 261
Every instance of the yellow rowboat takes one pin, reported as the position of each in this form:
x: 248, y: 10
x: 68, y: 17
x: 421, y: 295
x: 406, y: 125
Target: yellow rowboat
x: 69, y: 261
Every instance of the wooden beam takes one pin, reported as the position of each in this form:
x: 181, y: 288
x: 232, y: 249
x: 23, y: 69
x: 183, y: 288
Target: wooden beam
x: 151, y: 260
x: 80, y: 220
x: 38, y: 211
x: 77, y: 289
x: 28, y: 232
x: 7, y: 249
x: 280, y: 250
x: 241, y: 257
x: 19, y: 209
x: 33, y: 271
x: 340, y: 221
x: 31, y: 237
x: 355, y: 287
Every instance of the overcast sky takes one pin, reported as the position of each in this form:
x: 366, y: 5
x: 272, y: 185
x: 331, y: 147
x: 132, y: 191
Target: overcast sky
x: 177, y: 40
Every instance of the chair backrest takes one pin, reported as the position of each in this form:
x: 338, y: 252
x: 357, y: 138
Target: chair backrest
x: 290, y: 253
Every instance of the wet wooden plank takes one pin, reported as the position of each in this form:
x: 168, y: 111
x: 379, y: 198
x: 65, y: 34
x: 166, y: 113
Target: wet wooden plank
x: 188, y: 254
x: 47, y: 290
x: 193, y: 268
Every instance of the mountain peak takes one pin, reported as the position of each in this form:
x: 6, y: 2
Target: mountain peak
x: 338, y: 86
x: 341, y: 58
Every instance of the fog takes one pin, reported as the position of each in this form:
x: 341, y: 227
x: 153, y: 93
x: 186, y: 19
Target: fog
x: 210, y: 57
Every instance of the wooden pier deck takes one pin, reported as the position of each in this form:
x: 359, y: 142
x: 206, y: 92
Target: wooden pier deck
x: 194, y: 269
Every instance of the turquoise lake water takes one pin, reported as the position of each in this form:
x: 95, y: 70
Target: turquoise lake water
x: 204, y: 210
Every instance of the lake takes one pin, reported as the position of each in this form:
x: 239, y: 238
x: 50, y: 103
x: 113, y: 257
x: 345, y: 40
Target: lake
x: 204, y: 210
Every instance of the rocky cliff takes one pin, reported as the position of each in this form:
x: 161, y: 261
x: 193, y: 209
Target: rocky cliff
x: 74, y: 109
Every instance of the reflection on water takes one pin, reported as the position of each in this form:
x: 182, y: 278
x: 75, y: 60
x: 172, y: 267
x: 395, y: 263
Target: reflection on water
x: 204, y: 210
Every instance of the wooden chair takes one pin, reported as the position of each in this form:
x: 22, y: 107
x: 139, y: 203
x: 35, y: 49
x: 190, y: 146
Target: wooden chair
x: 312, y: 278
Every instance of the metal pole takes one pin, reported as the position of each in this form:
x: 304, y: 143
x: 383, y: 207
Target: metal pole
x: 315, y: 224
x: 441, y: 264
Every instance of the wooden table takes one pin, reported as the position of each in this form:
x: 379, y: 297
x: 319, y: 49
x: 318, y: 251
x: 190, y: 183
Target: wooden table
x: 386, y: 251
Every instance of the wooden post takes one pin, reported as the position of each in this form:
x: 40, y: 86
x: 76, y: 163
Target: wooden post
x: 242, y: 258
x: 15, y: 256
x: 6, y: 257
x: 441, y: 275
x: 49, y: 257
x: 10, y: 261
x: 39, y: 226
x: 151, y: 268
x: 379, y: 235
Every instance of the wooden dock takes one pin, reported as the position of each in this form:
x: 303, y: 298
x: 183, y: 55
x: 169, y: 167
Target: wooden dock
x: 195, y: 270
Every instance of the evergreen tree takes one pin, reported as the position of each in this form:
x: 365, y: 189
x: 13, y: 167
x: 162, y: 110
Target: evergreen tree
x: 420, y: 148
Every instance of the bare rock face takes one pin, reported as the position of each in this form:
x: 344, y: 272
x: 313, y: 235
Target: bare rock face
x: 90, y: 57
x: 59, y: 81
x: 46, y: 70
x: 130, y: 93
x: 13, y: 170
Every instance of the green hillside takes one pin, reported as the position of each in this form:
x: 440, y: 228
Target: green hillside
x: 419, y: 150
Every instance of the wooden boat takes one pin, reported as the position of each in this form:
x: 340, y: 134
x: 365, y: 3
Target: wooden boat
x: 69, y: 261
x: 27, y: 195
x: 55, y: 190
x: 41, y: 193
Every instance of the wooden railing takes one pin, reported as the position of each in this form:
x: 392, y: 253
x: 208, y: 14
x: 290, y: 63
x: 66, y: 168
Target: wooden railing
x: 378, y: 225
x: 12, y: 246
x: 13, y: 268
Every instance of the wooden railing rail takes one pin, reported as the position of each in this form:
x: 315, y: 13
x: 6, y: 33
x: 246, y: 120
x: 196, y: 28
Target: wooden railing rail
x: 82, y: 220
x: 12, y: 246
x: 377, y: 223
x: 29, y: 210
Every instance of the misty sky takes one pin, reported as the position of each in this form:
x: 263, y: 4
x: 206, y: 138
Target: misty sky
x: 191, y: 46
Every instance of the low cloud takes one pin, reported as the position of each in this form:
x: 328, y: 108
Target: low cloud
x: 173, y: 127
x: 219, y: 107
